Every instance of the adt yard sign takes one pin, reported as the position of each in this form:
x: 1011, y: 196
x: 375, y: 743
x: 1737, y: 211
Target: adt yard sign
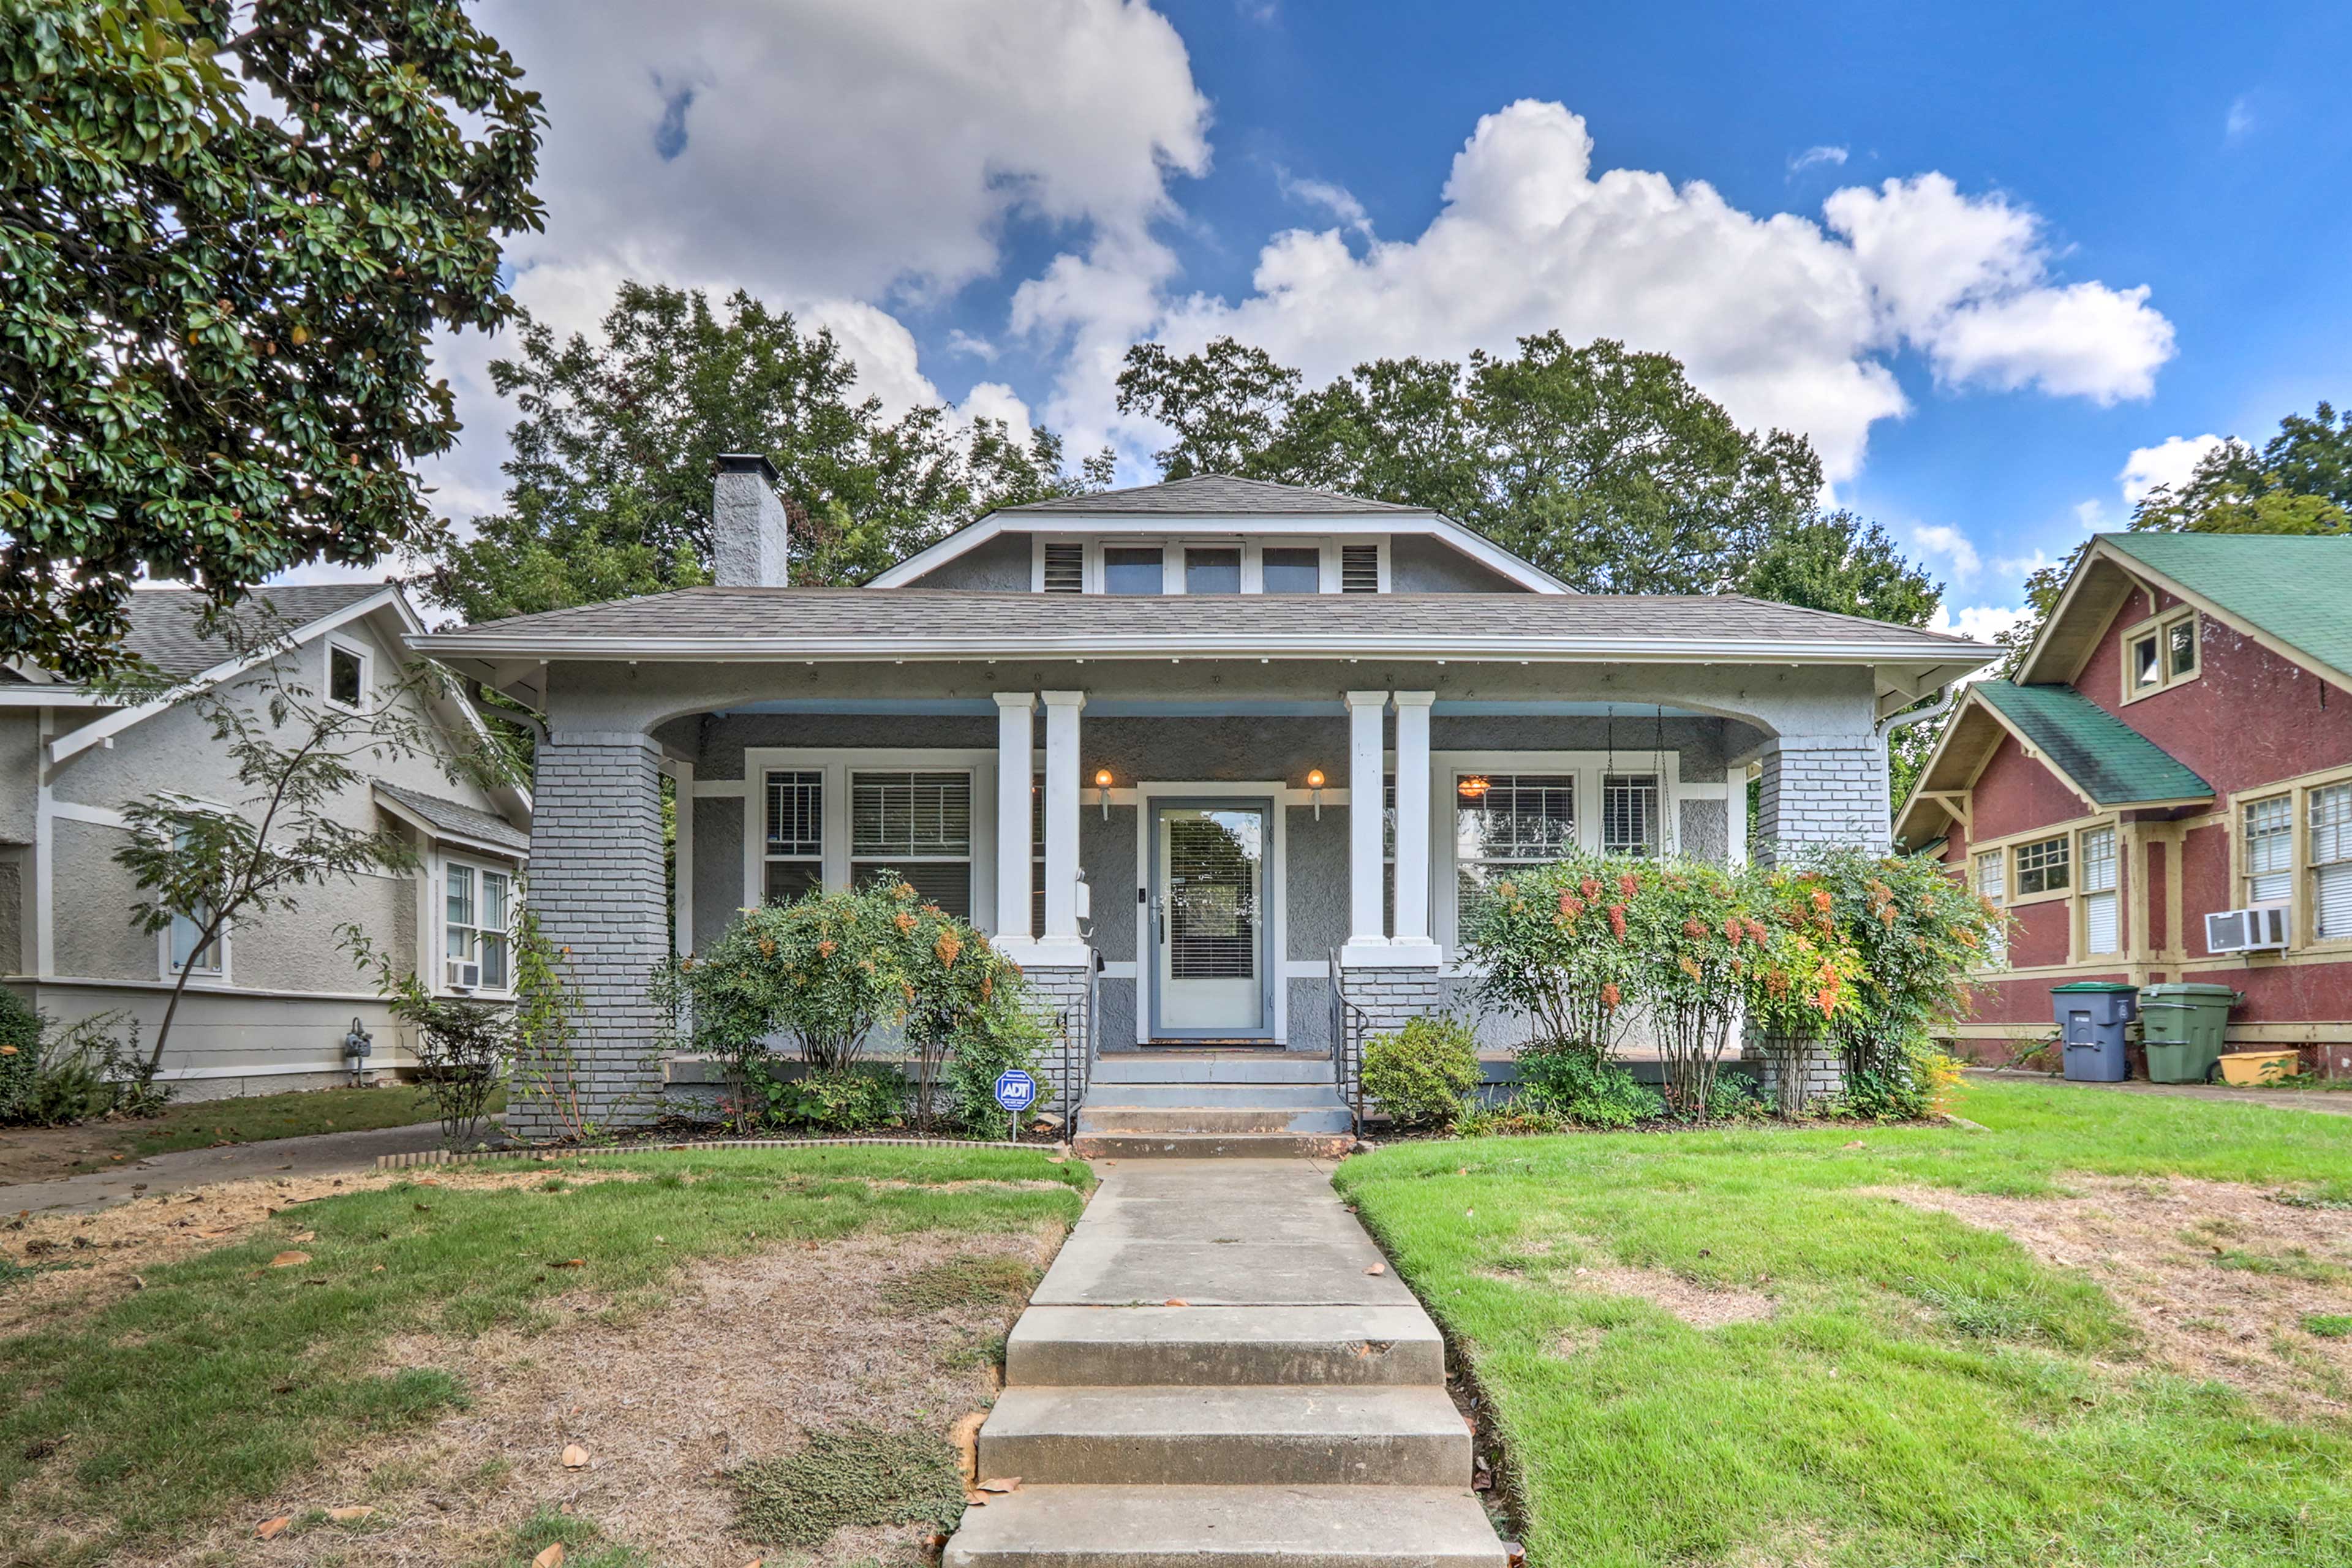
x: 1016, y: 1091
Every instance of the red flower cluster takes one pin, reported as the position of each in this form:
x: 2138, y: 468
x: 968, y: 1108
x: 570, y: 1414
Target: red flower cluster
x: 1590, y: 889
x: 1695, y: 929
x: 1617, y: 921
x: 1570, y: 906
x: 1610, y: 995
x: 1628, y: 884
x: 1732, y: 930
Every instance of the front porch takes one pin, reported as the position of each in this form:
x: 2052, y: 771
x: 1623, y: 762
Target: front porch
x: 1176, y: 855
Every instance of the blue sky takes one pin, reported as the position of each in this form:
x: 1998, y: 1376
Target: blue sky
x: 988, y: 202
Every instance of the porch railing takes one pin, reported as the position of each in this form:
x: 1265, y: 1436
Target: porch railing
x: 1350, y: 1026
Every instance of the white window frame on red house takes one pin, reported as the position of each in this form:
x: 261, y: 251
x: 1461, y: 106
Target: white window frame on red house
x: 2160, y: 632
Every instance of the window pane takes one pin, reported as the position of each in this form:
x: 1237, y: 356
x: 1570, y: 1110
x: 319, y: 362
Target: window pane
x: 1991, y: 879
x: 2143, y: 663
x: 795, y: 812
x: 947, y: 883
x: 2270, y: 850
x: 2331, y: 824
x: 1629, y: 814
x: 343, y: 677
x: 2099, y: 860
x: 788, y: 881
x: 2041, y: 867
x: 494, y: 961
x: 1292, y: 570
x: 1213, y: 571
x: 494, y: 902
x: 2331, y: 898
x: 2180, y: 638
x: 1513, y: 816
x: 910, y: 814
x: 184, y: 933
x: 461, y: 896
x: 1134, y: 572
x: 2101, y: 931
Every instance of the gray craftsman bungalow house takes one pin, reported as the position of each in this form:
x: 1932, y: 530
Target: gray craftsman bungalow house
x: 1194, y: 753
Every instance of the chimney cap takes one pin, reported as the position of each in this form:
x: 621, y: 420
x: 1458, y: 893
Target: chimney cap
x: 747, y: 463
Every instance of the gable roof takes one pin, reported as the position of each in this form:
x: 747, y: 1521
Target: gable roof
x: 1217, y: 498
x: 2287, y: 591
x: 165, y: 623
x: 2097, y: 756
x: 1212, y: 495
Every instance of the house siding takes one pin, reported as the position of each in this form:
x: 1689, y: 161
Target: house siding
x: 1002, y: 566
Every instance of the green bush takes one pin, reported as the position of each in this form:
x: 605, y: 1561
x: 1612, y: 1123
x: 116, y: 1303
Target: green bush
x: 58, y: 1078
x: 1561, y: 1078
x: 20, y: 1056
x: 843, y: 1099
x: 993, y: 1040
x: 1422, y: 1073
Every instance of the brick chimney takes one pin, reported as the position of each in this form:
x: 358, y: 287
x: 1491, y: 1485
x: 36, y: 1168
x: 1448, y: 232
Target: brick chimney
x: 748, y: 530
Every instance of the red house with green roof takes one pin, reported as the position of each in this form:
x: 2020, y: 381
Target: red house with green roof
x: 2176, y: 744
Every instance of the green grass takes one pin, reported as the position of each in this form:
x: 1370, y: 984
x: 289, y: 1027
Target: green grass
x: 225, y: 1377
x: 1925, y: 1392
x: 257, y: 1117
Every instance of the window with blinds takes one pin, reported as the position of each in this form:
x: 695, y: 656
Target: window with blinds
x: 918, y: 824
x: 2269, y: 858
x: 1065, y: 567
x: 2102, y: 926
x: 1993, y: 881
x: 1629, y: 814
x: 2331, y: 862
x: 795, y: 852
x: 1502, y: 822
x: 1360, y: 568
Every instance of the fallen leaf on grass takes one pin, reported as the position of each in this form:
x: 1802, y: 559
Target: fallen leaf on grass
x: 305, y: 1235
x: 569, y: 1263
x: 575, y: 1458
x: 1378, y: 1269
x: 271, y: 1529
x: 351, y: 1515
x: 289, y: 1260
x: 550, y: 1558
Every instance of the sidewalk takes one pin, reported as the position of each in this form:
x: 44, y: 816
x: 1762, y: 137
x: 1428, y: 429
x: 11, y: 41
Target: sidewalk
x: 320, y: 1155
x: 2331, y: 1102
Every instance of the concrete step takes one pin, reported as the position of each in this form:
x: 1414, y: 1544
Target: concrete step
x: 1212, y: 1145
x: 1227, y: 1437
x: 1270, y: 1066
x: 1303, y: 1096
x: 1226, y: 1527
x: 1225, y: 1346
x: 1329, y: 1117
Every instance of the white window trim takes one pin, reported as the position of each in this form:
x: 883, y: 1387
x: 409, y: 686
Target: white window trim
x: 1173, y: 547
x: 477, y: 865
x: 213, y: 979
x: 837, y: 764
x: 1588, y: 768
x: 365, y: 655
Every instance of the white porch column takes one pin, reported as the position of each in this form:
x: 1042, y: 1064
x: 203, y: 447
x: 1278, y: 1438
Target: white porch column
x: 1364, y: 782
x: 1015, y: 729
x: 1412, y: 817
x: 1062, y: 817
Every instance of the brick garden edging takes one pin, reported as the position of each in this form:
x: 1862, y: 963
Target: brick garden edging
x: 424, y: 1157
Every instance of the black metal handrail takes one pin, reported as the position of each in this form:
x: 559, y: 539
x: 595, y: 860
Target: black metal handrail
x: 1350, y: 1026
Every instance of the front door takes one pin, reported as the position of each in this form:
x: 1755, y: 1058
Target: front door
x: 1209, y: 921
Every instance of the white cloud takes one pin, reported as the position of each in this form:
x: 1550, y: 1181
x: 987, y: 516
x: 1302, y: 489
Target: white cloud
x: 963, y: 342
x: 1952, y: 545
x: 2092, y: 514
x: 1982, y: 622
x: 1786, y: 324
x: 2238, y: 123
x: 1337, y: 200
x: 2020, y: 566
x: 1814, y: 157
x: 2169, y: 462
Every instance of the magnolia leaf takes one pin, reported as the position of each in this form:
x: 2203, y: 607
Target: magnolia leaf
x: 289, y: 1260
x: 552, y: 1557
x: 574, y: 1457
x: 351, y: 1515
x: 271, y: 1529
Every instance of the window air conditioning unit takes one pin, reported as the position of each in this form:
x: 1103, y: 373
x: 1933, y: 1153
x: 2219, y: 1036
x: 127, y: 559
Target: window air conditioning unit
x: 464, y: 976
x: 2261, y: 930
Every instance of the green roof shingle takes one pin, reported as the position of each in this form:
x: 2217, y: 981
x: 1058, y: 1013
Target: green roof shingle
x: 2292, y: 586
x: 2115, y: 762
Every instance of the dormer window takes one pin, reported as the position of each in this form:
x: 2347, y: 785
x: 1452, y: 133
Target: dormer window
x: 1213, y: 571
x: 2159, y: 653
x: 1291, y: 570
x: 1130, y: 570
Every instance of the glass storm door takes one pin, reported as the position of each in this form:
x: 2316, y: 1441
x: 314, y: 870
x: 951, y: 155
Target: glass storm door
x: 1209, y: 978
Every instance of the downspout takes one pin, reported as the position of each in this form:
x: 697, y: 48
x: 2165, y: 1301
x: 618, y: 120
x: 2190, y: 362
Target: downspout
x: 1887, y: 726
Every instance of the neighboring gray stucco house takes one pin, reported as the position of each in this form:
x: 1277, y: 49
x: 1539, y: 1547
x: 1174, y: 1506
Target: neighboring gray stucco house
x: 268, y: 1010
x: 1099, y: 725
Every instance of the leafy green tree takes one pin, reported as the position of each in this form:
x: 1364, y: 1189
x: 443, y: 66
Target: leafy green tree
x: 609, y: 478
x: 1603, y: 466
x: 229, y: 233
x: 1837, y: 561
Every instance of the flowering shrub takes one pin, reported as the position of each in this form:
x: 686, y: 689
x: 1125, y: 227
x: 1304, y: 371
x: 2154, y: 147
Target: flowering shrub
x: 1555, y: 946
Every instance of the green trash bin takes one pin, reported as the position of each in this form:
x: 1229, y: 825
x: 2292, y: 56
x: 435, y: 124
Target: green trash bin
x: 2184, y: 1029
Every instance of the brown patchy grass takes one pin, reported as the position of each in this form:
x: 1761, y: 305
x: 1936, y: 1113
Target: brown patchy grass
x: 2218, y: 1278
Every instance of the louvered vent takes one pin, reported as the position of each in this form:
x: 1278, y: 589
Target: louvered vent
x: 1360, y: 569
x: 1066, y: 568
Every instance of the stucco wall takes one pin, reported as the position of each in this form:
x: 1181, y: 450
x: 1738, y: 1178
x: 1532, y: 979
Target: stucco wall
x: 1000, y: 565
x: 12, y: 912
x: 1421, y: 565
x: 20, y: 740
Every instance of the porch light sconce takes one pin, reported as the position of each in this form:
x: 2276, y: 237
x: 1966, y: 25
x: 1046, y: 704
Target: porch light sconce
x: 1102, y: 791
x: 1315, y: 783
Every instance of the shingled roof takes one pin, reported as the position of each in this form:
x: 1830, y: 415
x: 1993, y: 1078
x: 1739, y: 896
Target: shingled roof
x: 165, y: 623
x: 2108, y: 760
x: 724, y: 623
x: 457, y: 819
x: 2294, y: 587
x: 1211, y: 495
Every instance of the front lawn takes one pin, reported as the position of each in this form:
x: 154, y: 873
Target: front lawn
x: 149, y: 1409
x: 1771, y: 1346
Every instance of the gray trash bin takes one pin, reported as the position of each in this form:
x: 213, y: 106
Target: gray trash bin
x: 2092, y: 1015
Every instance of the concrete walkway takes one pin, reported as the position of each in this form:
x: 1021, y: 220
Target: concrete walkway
x: 1221, y: 1370
x: 319, y: 1154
